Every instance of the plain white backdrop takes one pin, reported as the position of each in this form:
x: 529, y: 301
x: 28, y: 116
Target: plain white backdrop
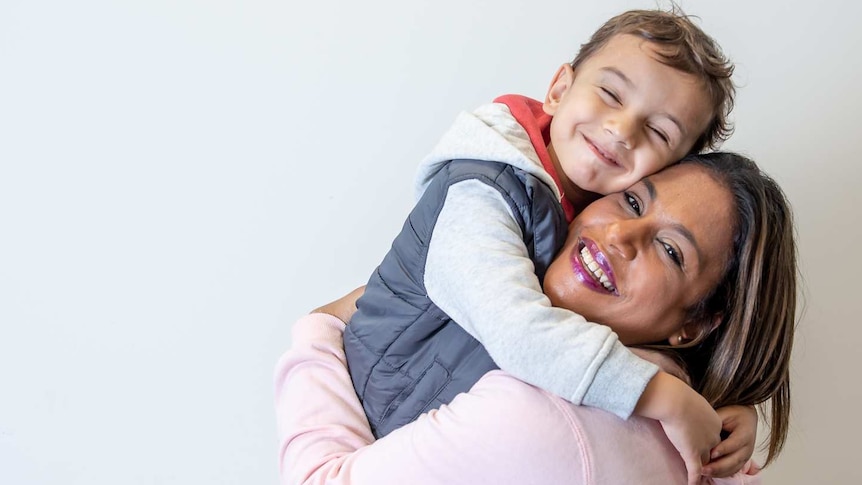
x: 180, y: 180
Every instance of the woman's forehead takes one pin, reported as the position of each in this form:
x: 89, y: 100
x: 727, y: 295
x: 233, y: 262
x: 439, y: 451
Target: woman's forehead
x: 682, y: 180
x: 691, y: 199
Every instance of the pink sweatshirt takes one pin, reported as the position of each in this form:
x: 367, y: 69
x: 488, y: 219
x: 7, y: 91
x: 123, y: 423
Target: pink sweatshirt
x: 501, y: 432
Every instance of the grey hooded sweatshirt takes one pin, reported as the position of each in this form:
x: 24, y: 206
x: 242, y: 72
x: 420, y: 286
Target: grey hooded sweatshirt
x: 460, y: 291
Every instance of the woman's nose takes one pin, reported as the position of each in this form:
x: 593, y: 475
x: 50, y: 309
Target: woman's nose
x: 623, y: 238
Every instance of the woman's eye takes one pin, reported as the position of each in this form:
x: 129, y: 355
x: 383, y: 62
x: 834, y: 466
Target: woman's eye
x: 672, y: 253
x: 611, y: 95
x: 632, y: 202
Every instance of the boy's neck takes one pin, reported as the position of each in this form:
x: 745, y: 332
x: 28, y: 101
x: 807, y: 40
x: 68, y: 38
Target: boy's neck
x: 580, y: 198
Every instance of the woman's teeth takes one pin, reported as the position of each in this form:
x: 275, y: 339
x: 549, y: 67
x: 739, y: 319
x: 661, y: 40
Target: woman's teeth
x: 596, y: 270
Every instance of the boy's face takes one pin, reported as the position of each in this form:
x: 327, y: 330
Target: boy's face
x: 621, y: 116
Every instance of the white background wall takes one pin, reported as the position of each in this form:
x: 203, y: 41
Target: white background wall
x: 180, y: 180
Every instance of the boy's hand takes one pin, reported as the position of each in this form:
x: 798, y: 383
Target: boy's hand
x: 694, y: 433
x: 344, y: 307
x: 734, y: 451
x: 691, y: 425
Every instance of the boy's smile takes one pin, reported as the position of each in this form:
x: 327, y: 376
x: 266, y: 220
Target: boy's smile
x: 602, y: 154
x: 621, y: 116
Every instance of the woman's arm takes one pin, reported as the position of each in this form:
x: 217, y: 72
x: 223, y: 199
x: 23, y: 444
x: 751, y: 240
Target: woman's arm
x: 731, y: 456
x: 325, y: 438
x: 344, y: 307
x: 502, y: 431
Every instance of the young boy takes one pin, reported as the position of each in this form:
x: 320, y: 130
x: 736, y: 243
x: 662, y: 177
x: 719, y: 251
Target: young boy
x: 460, y: 292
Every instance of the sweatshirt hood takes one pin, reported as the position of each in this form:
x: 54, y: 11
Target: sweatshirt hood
x: 489, y: 133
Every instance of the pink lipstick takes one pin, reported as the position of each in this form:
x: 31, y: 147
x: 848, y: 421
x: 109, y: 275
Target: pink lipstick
x: 592, y: 268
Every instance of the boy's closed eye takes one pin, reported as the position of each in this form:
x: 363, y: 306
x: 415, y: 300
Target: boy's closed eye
x: 611, y: 96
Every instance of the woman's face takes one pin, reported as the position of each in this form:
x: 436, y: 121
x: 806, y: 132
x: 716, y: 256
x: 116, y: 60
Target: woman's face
x: 637, y: 260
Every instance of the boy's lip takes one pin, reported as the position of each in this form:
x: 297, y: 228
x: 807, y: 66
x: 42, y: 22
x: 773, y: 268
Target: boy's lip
x: 603, y: 154
x: 583, y: 273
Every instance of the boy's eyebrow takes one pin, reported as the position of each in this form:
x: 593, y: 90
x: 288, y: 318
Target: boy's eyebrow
x: 619, y: 74
x: 676, y: 226
x: 628, y: 82
x: 675, y: 121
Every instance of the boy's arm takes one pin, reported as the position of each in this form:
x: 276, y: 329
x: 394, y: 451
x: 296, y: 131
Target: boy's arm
x: 689, y: 422
x: 479, y: 273
x: 731, y: 457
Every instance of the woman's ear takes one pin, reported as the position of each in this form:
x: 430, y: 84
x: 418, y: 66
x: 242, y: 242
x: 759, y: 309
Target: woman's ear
x: 561, y: 82
x: 716, y: 321
x: 695, y: 331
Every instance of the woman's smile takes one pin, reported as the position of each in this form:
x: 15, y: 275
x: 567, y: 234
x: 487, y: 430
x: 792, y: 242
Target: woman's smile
x: 639, y: 260
x: 592, y: 268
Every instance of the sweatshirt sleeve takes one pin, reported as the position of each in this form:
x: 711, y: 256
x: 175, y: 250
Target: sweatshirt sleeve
x: 479, y: 273
x: 324, y: 436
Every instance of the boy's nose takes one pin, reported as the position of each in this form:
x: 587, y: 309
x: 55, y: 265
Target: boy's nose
x: 622, y: 128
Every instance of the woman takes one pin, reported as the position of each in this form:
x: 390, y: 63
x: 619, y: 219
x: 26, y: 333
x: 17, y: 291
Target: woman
x: 692, y: 251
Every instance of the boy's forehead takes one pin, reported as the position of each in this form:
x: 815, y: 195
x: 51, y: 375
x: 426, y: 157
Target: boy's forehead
x: 622, y: 45
x: 635, y: 61
x: 639, y: 64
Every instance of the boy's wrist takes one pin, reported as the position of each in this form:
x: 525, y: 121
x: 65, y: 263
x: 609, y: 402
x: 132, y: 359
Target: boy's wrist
x: 662, y: 398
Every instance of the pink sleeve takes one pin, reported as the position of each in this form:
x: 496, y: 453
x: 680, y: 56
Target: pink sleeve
x: 502, y: 431
x: 749, y: 475
x: 324, y: 436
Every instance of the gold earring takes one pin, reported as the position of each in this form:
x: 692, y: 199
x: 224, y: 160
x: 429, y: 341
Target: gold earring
x: 679, y: 339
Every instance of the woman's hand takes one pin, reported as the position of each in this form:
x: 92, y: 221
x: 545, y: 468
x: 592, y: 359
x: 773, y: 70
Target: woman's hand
x: 733, y: 452
x: 691, y: 425
x: 344, y: 307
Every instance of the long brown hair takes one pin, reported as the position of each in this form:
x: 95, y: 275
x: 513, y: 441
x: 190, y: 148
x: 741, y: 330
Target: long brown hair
x: 683, y: 46
x: 746, y: 359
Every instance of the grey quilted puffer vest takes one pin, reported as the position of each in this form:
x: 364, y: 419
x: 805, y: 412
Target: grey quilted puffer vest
x: 405, y: 355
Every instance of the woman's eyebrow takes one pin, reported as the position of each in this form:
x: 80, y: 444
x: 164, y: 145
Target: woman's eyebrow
x: 653, y: 194
x: 650, y: 188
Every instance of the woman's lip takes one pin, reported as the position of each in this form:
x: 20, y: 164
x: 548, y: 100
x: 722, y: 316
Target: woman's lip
x: 583, y: 274
x: 601, y: 154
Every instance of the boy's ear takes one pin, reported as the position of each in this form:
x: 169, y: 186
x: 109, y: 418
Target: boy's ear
x: 559, y: 85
